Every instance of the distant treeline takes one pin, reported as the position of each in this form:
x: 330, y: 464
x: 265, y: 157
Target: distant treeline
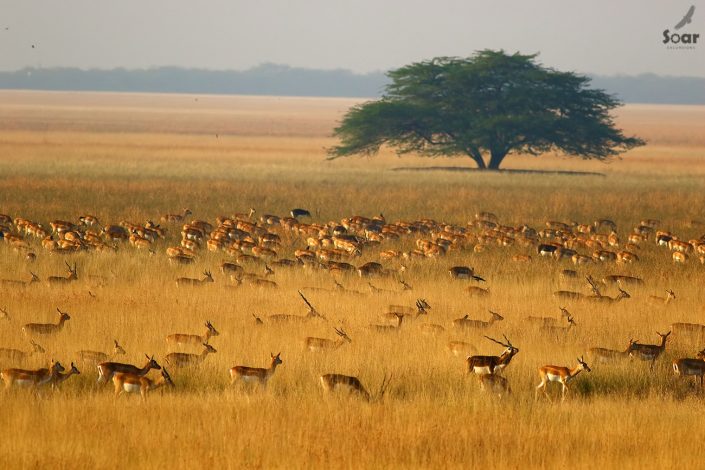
x: 272, y: 79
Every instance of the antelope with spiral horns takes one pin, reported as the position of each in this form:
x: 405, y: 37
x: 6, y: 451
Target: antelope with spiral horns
x: 106, y: 370
x: 492, y: 364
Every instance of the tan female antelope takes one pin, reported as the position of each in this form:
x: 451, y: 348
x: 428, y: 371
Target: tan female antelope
x: 548, y: 321
x: 620, y: 279
x: 188, y: 281
x: 31, y: 378
x: 695, y: 367
x: 477, y: 291
x: 232, y: 268
x: 559, y: 374
x: 604, y: 355
x: 106, y: 370
x: 688, y: 329
x: 460, y: 348
x: 254, y: 374
x: 19, y: 282
x: 679, y: 257
x: 88, y: 357
x: 322, y: 344
x: 17, y: 356
x: 72, y: 275
x: 176, y: 217
x: 179, y: 338
x: 492, y: 364
x: 352, y: 385
x: 46, y: 328
x: 178, y: 359
x: 61, y: 377
x: 558, y: 330
x: 649, y: 352
x: 466, y: 324
x: 133, y: 383
x: 495, y: 384
x: 390, y: 328
x: 670, y: 295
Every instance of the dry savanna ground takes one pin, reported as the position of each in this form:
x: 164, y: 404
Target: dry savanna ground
x: 136, y: 157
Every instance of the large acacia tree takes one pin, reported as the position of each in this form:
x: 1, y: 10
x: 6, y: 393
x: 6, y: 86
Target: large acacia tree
x: 485, y: 107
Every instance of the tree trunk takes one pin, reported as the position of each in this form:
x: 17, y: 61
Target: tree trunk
x: 477, y: 158
x: 496, y: 159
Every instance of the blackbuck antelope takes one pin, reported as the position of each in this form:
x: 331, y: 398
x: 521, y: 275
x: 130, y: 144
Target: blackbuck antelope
x: 604, y: 355
x: 62, y: 377
x: 179, y: 359
x: 19, y: 282
x: 492, y: 364
x: 562, y: 375
x: 284, y: 317
x: 687, y: 366
x: 649, y: 352
x: 605, y: 299
x: 422, y: 308
x: 322, y: 344
x: 106, y: 370
x: 296, y: 213
x: 88, y: 357
x: 465, y: 323
x: 494, y: 384
x: 352, y: 385
x: 179, y: 338
x: 72, y: 275
x: 670, y: 296
x: 134, y: 383
x: 31, y: 378
x: 464, y: 272
x: 189, y: 281
x: 548, y: 321
x: 460, y: 348
x: 256, y: 375
x: 17, y: 356
x: 31, y: 329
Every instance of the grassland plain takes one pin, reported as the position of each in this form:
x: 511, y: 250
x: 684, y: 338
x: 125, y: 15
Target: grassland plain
x: 135, y: 157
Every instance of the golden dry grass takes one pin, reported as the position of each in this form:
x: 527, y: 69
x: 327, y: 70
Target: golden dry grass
x: 135, y: 157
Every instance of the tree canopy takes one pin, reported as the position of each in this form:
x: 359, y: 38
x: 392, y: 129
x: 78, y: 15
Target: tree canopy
x: 486, y: 106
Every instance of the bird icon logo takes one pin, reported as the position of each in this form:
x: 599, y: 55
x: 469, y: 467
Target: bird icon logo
x: 687, y: 18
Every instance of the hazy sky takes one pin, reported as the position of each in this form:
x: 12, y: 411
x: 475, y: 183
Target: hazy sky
x: 599, y: 36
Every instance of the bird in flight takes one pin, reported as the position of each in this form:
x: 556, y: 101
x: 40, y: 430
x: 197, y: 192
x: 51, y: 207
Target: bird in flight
x: 687, y: 18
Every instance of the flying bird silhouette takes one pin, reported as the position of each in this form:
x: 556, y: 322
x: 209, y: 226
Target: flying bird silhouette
x: 687, y: 18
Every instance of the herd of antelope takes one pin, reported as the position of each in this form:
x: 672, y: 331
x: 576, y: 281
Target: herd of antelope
x: 255, y: 249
